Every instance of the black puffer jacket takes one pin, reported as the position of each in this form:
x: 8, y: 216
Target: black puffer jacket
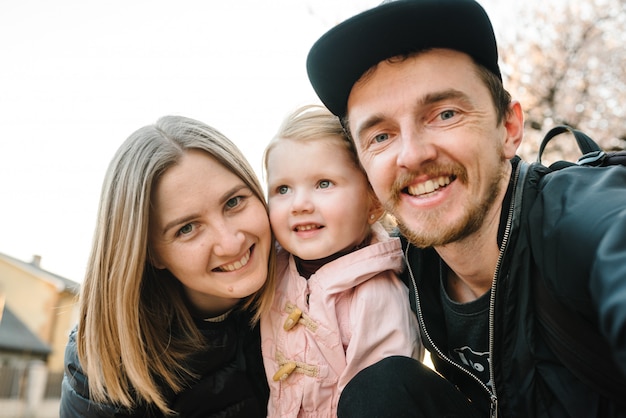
x: 232, y: 382
x: 571, y: 224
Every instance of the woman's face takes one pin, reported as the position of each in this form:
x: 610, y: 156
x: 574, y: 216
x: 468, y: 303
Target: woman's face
x: 210, y: 231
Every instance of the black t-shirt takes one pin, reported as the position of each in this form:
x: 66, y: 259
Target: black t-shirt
x: 468, y: 333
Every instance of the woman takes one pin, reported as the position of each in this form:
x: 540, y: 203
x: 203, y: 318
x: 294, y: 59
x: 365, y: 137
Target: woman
x: 180, y: 270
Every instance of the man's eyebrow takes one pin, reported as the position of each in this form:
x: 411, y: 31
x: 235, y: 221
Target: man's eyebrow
x: 427, y: 99
x: 368, y: 123
x: 440, y: 96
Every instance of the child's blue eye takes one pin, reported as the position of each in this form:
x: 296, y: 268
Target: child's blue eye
x: 325, y: 184
x: 282, y: 189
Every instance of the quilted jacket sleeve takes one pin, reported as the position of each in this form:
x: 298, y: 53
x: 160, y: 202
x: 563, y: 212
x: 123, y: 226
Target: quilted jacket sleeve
x: 392, y: 331
x: 584, y: 245
x: 75, y: 389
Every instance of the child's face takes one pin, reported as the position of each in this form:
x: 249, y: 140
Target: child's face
x: 319, y: 201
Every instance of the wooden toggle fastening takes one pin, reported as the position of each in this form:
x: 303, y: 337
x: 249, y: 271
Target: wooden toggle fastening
x: 292, y: 319
x: 284, y: 371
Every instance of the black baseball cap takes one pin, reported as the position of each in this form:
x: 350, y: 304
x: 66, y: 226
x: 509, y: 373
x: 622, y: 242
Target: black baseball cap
x: 343, y: 54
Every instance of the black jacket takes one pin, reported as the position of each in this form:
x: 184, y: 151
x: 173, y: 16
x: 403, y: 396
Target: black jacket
x: 571, y: 226
x: 232, y: 379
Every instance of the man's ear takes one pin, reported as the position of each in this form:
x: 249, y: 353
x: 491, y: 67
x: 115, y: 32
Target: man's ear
x: 514, y: 126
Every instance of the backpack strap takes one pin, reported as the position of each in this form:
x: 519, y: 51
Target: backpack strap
x: 585, y: 143
x: 592, y: 153
x: 577, y: 344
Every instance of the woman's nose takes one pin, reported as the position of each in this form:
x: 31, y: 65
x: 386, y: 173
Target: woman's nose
x: 228, y: 239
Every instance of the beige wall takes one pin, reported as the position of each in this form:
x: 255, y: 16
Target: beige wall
x: 66, y: 317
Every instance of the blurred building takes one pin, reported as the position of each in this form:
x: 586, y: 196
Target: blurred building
x: 37, y: 311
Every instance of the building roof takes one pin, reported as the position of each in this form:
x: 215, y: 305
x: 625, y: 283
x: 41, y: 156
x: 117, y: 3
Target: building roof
x: 15, y: 336
x: 62, y: 283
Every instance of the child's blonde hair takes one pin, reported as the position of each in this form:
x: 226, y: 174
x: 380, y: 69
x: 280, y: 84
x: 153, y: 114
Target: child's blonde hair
x: 311, y: 123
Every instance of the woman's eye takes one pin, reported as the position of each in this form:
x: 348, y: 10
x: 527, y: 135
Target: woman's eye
x: 233, y: 202
x: 447, y: 114
x: 381, y: 138
x: 186, y: 229
x: 282, y: 189
x: 325, y: 184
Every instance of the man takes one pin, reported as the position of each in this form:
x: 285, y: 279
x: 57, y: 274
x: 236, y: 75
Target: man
x: 417, y: 85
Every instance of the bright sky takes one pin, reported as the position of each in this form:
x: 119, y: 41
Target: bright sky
x: 77, y: 77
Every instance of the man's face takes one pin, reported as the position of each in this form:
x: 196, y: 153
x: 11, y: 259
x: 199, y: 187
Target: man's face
x: 427, y: 135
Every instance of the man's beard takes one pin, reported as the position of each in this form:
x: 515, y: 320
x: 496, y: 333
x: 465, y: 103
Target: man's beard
x: 433, y: 235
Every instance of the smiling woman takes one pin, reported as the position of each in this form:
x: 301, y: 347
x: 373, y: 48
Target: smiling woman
x: 180, y: 270
x: 217, y: 248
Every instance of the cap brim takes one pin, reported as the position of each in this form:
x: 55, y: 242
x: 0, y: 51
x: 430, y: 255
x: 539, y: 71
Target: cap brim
x: 341, y: 56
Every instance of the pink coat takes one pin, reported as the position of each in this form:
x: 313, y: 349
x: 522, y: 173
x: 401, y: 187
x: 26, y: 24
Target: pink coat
x: 357, y: 313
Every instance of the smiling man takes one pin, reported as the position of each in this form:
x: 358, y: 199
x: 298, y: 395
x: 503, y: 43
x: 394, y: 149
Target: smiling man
x: 417, y: 85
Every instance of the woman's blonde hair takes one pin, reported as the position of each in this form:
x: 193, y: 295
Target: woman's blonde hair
x: 134, y: 324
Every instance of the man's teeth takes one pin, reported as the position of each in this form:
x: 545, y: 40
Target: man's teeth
x: 429, y: 186
x: 237, y: 264
x: 306, y: 227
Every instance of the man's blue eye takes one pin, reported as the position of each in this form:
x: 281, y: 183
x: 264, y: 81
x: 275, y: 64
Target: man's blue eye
x: 447, y: 114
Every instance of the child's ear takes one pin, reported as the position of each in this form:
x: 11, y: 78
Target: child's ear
x: 376, y: 210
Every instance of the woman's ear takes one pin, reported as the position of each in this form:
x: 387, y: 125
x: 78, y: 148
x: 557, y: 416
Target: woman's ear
x: 154, y: 261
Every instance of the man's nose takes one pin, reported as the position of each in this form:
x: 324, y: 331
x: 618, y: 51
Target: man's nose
x: 416, y: 149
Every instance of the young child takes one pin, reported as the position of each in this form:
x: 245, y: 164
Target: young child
x: 338, y: 305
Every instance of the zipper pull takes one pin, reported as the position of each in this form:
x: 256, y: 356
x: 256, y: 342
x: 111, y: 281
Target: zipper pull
x: 494, y: 407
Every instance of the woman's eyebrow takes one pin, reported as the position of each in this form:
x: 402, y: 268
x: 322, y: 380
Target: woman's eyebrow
x: 189, y: 217
x: 179, y: 221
